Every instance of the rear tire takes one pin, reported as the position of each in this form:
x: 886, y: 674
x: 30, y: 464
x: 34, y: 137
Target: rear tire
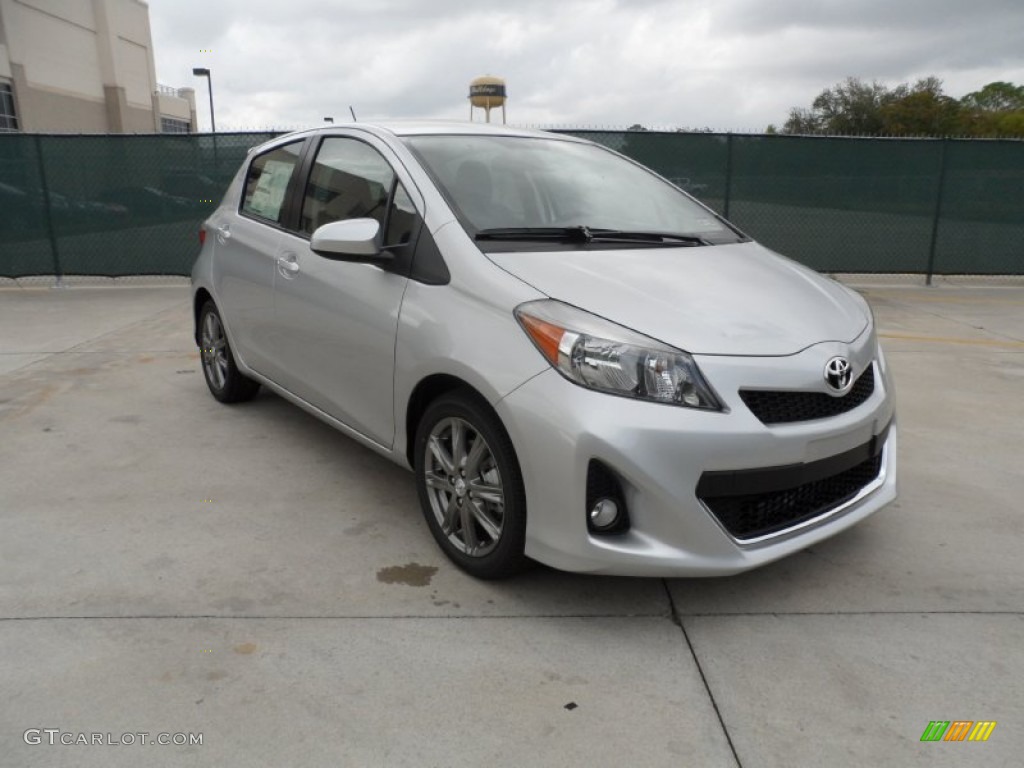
x: 225, y: 381
x: 470, y: 486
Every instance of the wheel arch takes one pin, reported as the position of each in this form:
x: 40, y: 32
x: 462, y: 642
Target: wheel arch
x: 505, y: 555
x: 427, y: 391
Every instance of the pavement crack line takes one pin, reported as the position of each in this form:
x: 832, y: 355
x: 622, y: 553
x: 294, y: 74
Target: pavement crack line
x: 740, y: 614
x: 75, y: 349
x: 402, y: 617
x: 674, y: 615
x: 965, y: 323
x: 137, y: 321
x: 677, y: 619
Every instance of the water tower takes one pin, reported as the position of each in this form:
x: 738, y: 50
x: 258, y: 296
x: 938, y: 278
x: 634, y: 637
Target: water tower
x: 486, y: 93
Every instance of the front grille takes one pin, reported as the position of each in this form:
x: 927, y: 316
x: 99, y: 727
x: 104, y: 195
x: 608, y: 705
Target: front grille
x: 780, y: 407
x: 750, y: 516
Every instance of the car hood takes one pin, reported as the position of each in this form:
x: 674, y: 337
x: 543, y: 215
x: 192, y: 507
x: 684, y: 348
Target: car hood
x: 737, y: 299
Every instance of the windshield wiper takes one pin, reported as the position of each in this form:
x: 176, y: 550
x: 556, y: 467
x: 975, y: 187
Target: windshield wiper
x: 620, y: 235
x: 589, y: 235
x: 558, y: 234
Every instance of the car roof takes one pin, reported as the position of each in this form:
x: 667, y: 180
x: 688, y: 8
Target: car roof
x: 461, y: 127
x: 404, y: 128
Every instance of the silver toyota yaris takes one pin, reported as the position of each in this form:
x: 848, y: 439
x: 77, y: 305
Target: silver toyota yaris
x: 581, y: 364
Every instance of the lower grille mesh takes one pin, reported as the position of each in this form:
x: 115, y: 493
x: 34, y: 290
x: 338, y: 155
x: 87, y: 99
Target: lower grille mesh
x: 760, y: 514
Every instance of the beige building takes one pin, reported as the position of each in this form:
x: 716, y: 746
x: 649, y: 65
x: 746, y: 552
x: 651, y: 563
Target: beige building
x: 84, y: 66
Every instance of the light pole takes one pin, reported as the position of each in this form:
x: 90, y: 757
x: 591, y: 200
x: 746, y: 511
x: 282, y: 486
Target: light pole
x: 204, y: 72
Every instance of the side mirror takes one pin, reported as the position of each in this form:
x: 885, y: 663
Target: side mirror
x: 350, y: 240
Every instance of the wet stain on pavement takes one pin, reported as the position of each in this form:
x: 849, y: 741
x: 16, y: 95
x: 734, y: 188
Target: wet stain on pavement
x: 410, y: 574
x: 158, y: 563
x: 359, y: 528
x: 245, y: 648
x: 29, y: 400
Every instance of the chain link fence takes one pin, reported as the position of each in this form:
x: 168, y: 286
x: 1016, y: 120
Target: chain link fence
x: 111, y: 205
x: 132, y: 205
x: 918, y: 206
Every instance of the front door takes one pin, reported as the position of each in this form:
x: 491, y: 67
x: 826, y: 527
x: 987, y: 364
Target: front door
x: 336, y: 321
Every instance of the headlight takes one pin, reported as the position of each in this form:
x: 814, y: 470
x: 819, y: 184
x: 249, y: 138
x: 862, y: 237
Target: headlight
x: 601, y: 355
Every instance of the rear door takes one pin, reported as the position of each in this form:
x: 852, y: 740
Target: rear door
x: 336, y: 321
x: 248, y: 239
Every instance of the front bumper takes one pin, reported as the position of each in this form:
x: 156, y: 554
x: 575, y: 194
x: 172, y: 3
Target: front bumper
x: 660, y: 454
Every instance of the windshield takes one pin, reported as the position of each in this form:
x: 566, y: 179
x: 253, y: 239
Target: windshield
x: 511, y: 185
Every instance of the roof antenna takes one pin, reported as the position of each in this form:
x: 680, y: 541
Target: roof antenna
x: 354, y: 120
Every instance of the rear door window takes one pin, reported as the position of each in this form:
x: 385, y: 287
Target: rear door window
x: 349, y: 180
x: 266, y: 184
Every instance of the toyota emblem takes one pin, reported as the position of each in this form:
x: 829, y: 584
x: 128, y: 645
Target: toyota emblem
x: 838, y: 373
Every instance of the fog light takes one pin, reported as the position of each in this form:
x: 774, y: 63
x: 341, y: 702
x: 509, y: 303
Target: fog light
x: 604, y: 514
x: 605, y: 505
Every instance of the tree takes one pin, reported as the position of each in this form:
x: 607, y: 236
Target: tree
x: 850, y: 107
x: 854, y: 107
x: 996, y: 97
x: 923, y: 110
x: 803, y: 121
x: 995, y: 110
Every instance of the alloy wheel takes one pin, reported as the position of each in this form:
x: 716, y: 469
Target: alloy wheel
x: 464, y: 486
x: 215, y: 351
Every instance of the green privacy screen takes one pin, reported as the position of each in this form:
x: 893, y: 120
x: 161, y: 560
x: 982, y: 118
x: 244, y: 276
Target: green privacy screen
x: 132, y: 205
x: 110, y: 205
x: 854, y: 205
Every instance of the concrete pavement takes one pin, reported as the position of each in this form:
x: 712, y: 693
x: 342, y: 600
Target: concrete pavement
x: 168, y: 564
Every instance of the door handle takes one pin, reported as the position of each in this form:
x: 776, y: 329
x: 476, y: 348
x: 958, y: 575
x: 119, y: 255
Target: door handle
x: 223, y: 233
x: 287, y: 265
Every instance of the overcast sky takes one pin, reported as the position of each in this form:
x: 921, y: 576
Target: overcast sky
x: 725, y: 64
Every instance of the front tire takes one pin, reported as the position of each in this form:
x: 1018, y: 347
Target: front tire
x: 470, y: 486
x: 225, y: 381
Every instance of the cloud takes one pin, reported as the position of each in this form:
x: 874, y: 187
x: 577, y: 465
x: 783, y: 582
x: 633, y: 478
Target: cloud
x: 726, y: 64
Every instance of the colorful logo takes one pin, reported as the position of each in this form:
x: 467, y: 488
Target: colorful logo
x: 958, y: 730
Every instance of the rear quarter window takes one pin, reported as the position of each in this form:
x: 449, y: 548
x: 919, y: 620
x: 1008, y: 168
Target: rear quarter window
x: 267, y: 182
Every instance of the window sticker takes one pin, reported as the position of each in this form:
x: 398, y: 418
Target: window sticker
x: 268, y: 197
